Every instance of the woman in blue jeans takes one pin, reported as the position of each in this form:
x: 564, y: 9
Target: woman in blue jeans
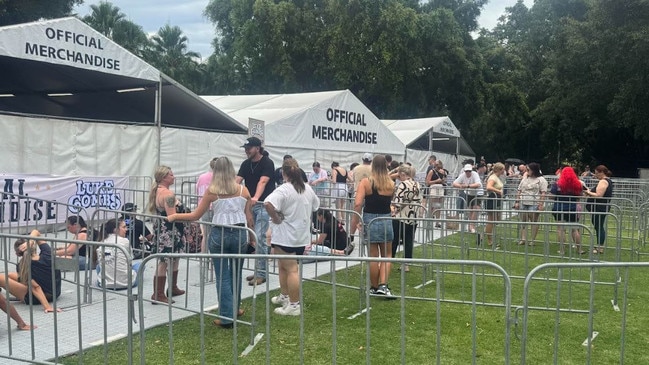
x: 231, y: 205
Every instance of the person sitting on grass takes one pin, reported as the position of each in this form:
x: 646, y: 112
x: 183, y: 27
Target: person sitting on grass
x: 38, y: 265
x: 332, y: 232
x: 8, y: 308
x: 318, y: 249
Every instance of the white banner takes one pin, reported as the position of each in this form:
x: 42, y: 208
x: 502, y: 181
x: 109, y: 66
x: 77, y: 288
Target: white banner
x: 29, y: 200
x: 71, y: 42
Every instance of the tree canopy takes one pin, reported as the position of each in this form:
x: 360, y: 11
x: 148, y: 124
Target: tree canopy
x: 560, y: 82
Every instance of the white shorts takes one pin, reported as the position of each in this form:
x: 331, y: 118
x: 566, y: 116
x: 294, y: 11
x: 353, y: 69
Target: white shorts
x: 437, y: 191
x: 339, y: 190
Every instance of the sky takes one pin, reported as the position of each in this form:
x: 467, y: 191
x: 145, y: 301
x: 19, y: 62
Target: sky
x: 188, y: 15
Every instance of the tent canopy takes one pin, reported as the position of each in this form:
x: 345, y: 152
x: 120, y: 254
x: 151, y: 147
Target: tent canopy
x: 63, y: 68
x: 416, y: 134
x: 330, y: 120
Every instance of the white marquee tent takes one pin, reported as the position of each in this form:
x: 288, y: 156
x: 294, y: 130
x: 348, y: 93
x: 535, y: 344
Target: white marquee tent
x: 321, y: 126
x: 72, y: 102
x: 431, y: 136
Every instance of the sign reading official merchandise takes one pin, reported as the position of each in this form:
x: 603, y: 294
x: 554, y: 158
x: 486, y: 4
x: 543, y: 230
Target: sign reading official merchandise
x: 341, y: 131
x: 59, y: 49
x: 42, y: 199
x: 71, y: 42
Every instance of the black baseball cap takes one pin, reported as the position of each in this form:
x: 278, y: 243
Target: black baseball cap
x: 252, y: 142
x: 129, y: 207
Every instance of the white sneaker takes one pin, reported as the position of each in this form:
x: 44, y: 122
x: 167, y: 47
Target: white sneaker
x: 289, y: 310
x: 279, y: 300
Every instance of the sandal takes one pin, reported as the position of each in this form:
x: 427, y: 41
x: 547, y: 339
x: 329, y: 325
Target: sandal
x: 217, y: 323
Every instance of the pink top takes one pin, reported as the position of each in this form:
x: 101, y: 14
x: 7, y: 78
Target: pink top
x: 202, y: 184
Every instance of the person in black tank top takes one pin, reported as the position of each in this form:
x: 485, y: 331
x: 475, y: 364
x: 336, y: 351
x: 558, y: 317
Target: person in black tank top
x: 77, y: 226
x: 602, y: 196
x: 339, y: 177
x: 373, y: 199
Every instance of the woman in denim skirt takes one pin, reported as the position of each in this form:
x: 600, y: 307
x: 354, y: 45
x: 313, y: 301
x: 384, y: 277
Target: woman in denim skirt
x: 373, y: 199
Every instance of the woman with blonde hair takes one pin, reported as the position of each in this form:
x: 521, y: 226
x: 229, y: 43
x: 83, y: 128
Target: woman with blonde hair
x: 494, y: 199
x: 232, y: 206
x: 290, y: 208
x: 163, y: 202
x: 407, y: 203
x: 373, y: 200
x: 531, y: 194
x: 38, y: 266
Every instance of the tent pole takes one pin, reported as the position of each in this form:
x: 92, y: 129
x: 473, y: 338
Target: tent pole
x: 157, y: 117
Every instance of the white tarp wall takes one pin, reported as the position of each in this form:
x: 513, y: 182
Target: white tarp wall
x: 324, y: 127
x: 63, y: 147
x: 419, y: 159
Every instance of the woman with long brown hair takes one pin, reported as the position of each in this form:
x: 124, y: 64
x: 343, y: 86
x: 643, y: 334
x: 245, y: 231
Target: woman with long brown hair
x: 373, y: 200
x: 290, y: 208
x: 38, y: 265
x: 601, y: 197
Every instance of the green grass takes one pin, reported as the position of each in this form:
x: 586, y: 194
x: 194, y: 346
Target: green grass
x: 420, y: 327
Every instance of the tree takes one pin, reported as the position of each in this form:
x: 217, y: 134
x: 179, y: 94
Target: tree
x: 170, y: 55
x: 131, y: 36
x: 22, y: 11
x: 104, y: 18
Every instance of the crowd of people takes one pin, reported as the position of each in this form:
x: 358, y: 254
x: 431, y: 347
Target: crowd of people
x: 293, y: 213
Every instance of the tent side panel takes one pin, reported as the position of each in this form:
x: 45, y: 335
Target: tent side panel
x: 453, y: 163
x: 189, y: 152
x: 61, y: 147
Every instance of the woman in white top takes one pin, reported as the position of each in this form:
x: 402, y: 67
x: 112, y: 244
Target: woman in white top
x: 113, y: 267
x: 494, y: 199
x: 290, y: 208
x: 531, y: 193
x: 232, y: 213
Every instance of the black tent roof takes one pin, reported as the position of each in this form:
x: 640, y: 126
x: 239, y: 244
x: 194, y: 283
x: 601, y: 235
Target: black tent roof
x: 40, y: 78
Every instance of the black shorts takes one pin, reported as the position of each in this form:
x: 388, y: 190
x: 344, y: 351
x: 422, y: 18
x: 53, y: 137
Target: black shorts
x: 289, y: 249
x: 472, y: 200
x: 48, y: 296
x: 570, y: 217
x: 493, y: 204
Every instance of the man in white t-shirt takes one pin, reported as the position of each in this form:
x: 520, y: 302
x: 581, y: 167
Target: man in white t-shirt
x: 470, y: 182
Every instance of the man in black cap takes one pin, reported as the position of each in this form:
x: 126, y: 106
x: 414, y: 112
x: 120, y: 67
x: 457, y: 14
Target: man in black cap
x: 137, y: 232
x: 257, y: 174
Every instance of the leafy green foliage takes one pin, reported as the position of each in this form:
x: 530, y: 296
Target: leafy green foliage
x: 562, y: 81
x: 22, y: 11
